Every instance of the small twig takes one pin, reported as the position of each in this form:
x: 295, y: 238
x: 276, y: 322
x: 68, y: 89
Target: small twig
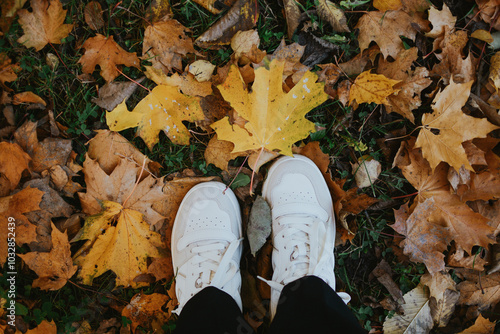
x: 369, y: 219
x: 126, y: 76
x: 234, y: 178
x: 62, y: 61
x: 126, y: 9
x: 480, y: 284
x: 99, y: 292
x: 404, y: 196
x: 138, y: 180
x: 379, y: 232
x: 401, y: 137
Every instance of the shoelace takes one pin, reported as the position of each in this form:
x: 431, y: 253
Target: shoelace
x: 298, y: 234
x: 215, y: 267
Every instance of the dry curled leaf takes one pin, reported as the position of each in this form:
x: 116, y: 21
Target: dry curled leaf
x: 440, y: 19
x: 242, y: 16
x: 444, y: 296
x: 215, y: 6
x: 27, y: 97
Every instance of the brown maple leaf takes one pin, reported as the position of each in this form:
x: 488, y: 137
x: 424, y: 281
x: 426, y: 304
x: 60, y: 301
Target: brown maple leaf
x: 438, y: 215
x: 45, y: 25
x: 7, y: 70
x: 407, y: 96
x: 165, y: 43
x: 13, y: 162
x: 106, y: 53
x: 54, y: 268
x: 453, y: 126
x: 12, y: 210
x: 385, y: 28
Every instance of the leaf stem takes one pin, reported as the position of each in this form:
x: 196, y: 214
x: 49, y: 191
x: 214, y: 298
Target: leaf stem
x: 136, y: 183
x: 126, y: 76
x: 234, y: 178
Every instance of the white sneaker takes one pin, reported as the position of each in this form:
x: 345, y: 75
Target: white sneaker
x: 206, y: 242
x: 303, y: 224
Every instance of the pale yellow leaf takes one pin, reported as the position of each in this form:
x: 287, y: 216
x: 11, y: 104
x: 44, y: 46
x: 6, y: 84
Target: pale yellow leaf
x: 417, y: 314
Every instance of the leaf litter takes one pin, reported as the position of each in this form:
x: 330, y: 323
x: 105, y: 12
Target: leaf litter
x: 248, y: 108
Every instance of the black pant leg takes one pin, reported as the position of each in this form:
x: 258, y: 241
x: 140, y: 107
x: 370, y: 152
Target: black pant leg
x: 309, y: 305
x: 212, y: 311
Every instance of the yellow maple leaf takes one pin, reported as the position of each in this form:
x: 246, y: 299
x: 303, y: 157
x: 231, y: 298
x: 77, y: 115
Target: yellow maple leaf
x: 44, y: 25
x: 275, y: 119
x: 120, y: 241
x: 369, y: 87
x: 163, y: 109
x: 453, y: 126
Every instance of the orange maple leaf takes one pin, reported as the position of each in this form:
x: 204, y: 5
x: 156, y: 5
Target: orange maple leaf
x: 385, y: 28
x: 55, y: 268
x: 106, y: 53
x: 437, y: 217
x: 44, y: 25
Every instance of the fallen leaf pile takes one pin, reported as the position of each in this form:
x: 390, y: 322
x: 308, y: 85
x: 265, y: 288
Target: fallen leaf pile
x: 92, y: 212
